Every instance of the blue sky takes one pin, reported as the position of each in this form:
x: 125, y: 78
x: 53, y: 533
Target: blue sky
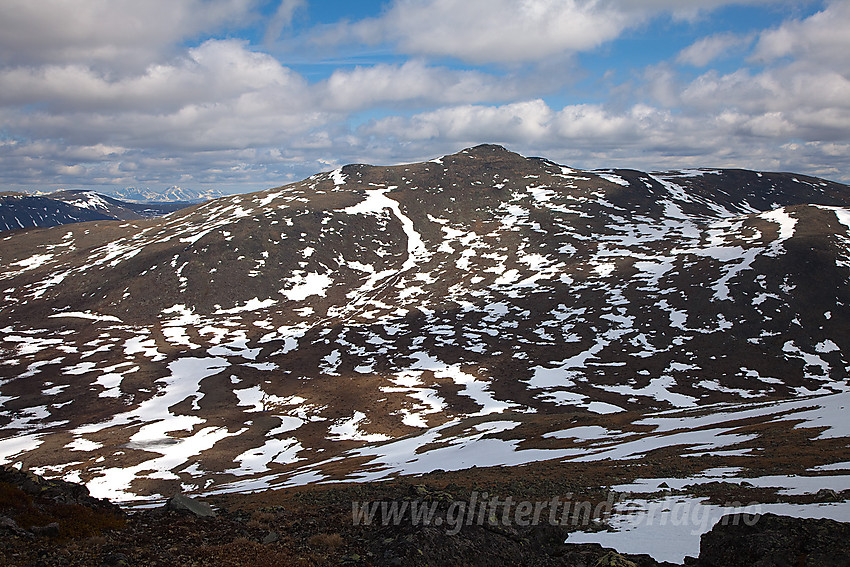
x: 242, y: 95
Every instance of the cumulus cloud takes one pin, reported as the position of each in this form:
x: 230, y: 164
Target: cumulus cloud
x: 412, y: 82
x: 528, y: 122
x: 690, y: 10
x: 214, y: 71
x: 220, y: 101
x: 822, y: 38
x: 512, y: 31
x: 491, y: 30
x: 590, y: 135
x: 123, y: 33
x: 802, y: 94
x: 585, y: 129
x: 709, y: 48
x: 786, y: 89
x: 222, y: 81
x: 224, y: 112
x: 281, y: 19
x: 510, y: 123
x: 217, y: 112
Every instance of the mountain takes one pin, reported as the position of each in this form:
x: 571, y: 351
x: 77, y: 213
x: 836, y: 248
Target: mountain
x: 19, y: 210
x: 119, y: 209
x: 482, y: 309
x: 173, y: 194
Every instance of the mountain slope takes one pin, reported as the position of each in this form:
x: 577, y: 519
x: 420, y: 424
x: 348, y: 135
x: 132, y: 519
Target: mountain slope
x: 259, y: 333
x: 19, y: 210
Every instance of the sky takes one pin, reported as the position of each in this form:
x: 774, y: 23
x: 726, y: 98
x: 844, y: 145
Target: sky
x: 244, y: 95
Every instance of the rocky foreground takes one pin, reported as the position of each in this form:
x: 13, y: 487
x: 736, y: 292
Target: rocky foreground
x: 51, y: 522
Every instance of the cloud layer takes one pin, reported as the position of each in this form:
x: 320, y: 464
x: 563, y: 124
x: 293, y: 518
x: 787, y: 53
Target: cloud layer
x: 117, y: 33
x: 113, y: 94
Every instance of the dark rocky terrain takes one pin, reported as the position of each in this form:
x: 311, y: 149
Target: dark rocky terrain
x: 56, y: 523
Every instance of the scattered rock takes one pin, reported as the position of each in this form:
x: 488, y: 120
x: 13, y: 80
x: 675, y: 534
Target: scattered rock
x: 115, y: 560
x: 271, y: 537
x: 424, y: 492
x: 827, y: 495
x: 50, y: 530
x: 182, y: 503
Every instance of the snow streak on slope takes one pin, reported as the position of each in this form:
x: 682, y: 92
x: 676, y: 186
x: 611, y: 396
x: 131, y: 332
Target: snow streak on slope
x: 708, y: 430
x: 375, y: 203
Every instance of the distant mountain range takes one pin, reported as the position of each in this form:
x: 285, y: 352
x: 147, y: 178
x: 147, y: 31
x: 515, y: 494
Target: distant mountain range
x: 480, y: 309
x: 21, y: 210
x: 171, y: 195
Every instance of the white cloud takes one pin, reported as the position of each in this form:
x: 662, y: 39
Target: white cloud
x: 119, y: 33
x: 811, y: 103
x: 213, y: 115
x: 802, y: 95
x: 188, y: 102
x: 712, y: 47
x: 282, y: 18
x: 593, y: 122
x: 690, y: 10
x: 640, y: 136
x: 492, y: 30
x: 217, y: 74
x: 510, y: 123
x: 411, y: 82
x: 530, y: 124
x: 822, y: 38
x: 228, y: 114
x: 512, y: 31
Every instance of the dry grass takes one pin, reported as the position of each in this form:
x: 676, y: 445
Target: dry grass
x: 75, y: 521
x: 260, y: 519
x: 326, y: 541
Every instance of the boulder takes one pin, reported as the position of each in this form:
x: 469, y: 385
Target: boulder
x: 11, y: 526
x: 50, y: 530
x: 182, y: 503
x: 827, y: 495
x: 768, y: 540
